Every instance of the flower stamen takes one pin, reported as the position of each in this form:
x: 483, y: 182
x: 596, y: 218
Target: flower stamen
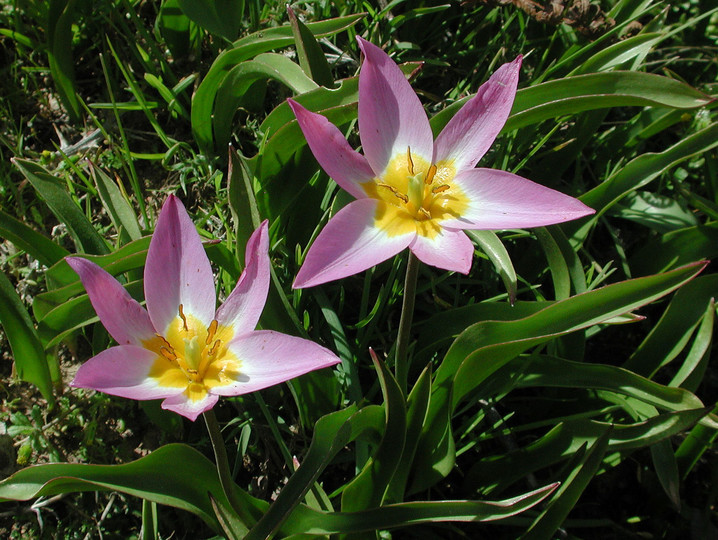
x: 182, y: 316
x: 211, y: 331
x: 430, y: 174
x: 409, y: 160
x: 440, y: 189
x: 395, y: 191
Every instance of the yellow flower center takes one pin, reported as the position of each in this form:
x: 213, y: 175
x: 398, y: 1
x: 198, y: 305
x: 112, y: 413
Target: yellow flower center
x: 193, y: 356
x: 419, y: 195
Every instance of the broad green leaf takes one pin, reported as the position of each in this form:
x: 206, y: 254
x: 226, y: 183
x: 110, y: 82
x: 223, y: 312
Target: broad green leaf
x: 556, y: 264
x: 619, y: 53
x: 582, y: 468
x: 497, y: 472
x: 37, y: 245
x: 120, y: 211
x: 571, y: 95
x: 673, y: 331
x: 675, y: 248
x: 368, y: 488
x: 697, y: 441
x: 491, y: 245
x: 658, y: 212
x: 549, y: 371
x: 220, y: 17
x: 175, y: 475
x: 62, y: 15
x: 664, y: 462
x: 485, y: 347
x: 59, y: 201
x: 30, y: 359
x: 310, y: 55
x: 232, y: 89
x: 331, y: 433
x: 640, y: 171
x: 410, y: 513
x: 417, y: 406
x: 691, y: 373
x: 203, y: 101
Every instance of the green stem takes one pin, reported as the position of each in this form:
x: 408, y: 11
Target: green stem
x: 401, y: 363
x: 225, y: 476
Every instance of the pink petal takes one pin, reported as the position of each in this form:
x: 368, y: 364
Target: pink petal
x: 188, y: 408
x: 122, y: 371
x: 244, y: 305
x: 347, y: 167
x: 177, y: 269
x: 391, y: 117
x: 470, y: 133
x: 349, y: 244
x: 449, y: 250
x: 123, y: 317
x: 503, y: 200
x: 268, y: 358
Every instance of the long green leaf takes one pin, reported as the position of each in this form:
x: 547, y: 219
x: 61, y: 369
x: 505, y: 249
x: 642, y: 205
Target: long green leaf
x: 51, y: 190
x: 175, y: 475
x: 37, y: 245
x: 28, y: 353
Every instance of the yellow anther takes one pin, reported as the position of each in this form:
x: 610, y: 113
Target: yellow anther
x: 215, y: 347
x: 430, y: 174
x: 409, y: 160
x: 211, y: 331
x: 184, y: 319
x: 424, y: 212
x: 441, y: 188
x: 395, y: 191
x: 167, y: 353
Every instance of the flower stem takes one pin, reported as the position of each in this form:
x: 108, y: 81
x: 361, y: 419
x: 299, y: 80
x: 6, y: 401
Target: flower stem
x: 401, y: 362
x: 225, y: 476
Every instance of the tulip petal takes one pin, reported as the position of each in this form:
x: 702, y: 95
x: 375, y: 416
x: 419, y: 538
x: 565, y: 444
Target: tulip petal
x: 123, y: 316
x: 470, y: 133
x: 244, y: 305
x: 351, y: 243
x: 268, y: 358
x: 450, y: 250
x: 177, y: 270
x: 190, y: 408
x: 340, y: 161
x: 391, y: 117
x: 122, y: 371
x: 503, y: 200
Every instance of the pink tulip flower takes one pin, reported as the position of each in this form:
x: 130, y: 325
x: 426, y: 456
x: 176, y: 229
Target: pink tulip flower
x: 413, y: 191
x: 180, y: 349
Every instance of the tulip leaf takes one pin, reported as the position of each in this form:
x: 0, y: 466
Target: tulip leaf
x: 485, y: 347
x: 582, y: 468
x: 121, y: 213
x: 203, y: 101
x: 35, y: 244
x: 331, y: 433
x: 550, y: 371
x: 59, y: 52
x: 305, y: 521
x: 51, y: 190
x: 673, y: 331
x: 697, y: 441
x: 494, y: 249
x: 220, y: 17
x: 664, y: 463
x: 417, y: 406
x: 233, y: 88
x: 175, y: 475
x: 367, y: 489
x: 495, y: 473
x: 675, y: 248
x: 29, y: 356
x: 310, y: 55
